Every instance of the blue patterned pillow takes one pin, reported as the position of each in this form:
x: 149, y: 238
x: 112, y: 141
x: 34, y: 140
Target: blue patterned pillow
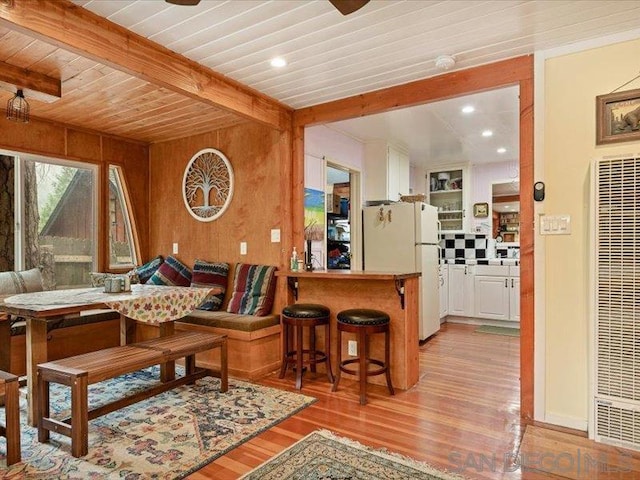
x: 207, y: 274
x: 146, y: 271
x: 172, y: 272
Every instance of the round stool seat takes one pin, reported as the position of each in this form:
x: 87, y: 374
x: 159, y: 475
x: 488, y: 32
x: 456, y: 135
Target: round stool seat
x: 305, y: 310
x: 363, y: 317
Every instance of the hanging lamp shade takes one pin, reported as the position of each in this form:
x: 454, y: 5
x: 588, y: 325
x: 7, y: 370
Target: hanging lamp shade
x: 18, y: 108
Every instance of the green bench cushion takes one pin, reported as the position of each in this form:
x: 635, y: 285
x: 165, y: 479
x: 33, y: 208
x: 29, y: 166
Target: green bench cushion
x: 232, y: 321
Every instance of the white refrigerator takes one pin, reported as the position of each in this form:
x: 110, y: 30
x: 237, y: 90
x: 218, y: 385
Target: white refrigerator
x: 403, y: 237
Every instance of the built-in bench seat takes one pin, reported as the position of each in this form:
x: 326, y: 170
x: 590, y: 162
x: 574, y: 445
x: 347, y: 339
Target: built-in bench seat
x: 79, y: 371
x: 253, y: 341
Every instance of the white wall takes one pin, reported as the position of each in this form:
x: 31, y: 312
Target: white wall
x: 321, y: 141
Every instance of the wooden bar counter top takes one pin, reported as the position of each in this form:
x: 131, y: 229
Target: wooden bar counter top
x: 395, y: 293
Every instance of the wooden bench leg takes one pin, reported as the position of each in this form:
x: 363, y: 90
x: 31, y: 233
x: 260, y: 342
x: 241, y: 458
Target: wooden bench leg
x: 79, y: 417
x: 224, y: 367
x: 12, y: 415
x: 43, y: 407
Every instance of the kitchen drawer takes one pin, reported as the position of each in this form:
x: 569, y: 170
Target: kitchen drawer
x: 493, y: 270
x: 514, y: 271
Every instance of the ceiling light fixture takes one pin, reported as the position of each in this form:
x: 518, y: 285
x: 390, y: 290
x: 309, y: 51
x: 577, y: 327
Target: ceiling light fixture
x: 501, y: 150
x: 445, y: 62
x: 487, y: 133
x: 278, y: 62
x: 18, y: 108
x: 468, y: 109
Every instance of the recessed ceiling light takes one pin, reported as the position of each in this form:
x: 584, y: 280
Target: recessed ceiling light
x: 278, y: 62
x: 501, y: 150
x: 468, y: 109
x: 487, y: 133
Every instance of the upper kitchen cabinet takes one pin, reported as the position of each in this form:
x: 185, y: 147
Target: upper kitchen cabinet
x: 386, y: 171
x: 449, y: 193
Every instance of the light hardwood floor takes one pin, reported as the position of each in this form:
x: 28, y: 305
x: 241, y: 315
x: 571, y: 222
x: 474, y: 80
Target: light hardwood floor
x: 463, y: 416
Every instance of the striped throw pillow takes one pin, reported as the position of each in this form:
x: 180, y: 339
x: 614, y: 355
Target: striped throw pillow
x: 146, y: 271
x: 254, y: 287
x: 206, y: 274
x: 172, y: 272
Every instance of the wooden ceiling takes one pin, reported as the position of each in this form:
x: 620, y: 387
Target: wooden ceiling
x: 110, y: 96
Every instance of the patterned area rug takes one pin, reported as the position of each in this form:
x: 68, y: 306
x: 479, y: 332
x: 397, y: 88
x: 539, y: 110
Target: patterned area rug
x: 166, y: 436
x: 509, y: 332
x: 322, y: 455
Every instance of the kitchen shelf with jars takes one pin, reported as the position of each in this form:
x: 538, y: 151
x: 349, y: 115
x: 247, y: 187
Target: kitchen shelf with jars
x: 447, y: 193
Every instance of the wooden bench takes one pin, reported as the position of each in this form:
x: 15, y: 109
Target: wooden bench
x: 82, y: 370
x: 11, y: 429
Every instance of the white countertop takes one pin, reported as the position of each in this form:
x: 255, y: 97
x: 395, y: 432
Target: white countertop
x: 481, y: 261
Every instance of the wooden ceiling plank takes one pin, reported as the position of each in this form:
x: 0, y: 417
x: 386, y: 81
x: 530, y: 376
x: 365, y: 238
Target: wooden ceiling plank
x: 13, y: 42
x: 106, y: 42
x: 35, y: 85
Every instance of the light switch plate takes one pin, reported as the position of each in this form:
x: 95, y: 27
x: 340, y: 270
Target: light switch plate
x: 555, y: 224
x: 175, y: 249
x: 243, y: 248
x: 275, y: 235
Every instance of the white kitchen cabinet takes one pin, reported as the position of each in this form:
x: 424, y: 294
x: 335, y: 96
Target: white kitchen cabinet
x: 492, y: 297
x: 514, y: 299
x: 461, y: 290
x: 497, y: 292
x: 386, y: 175
x: 448, y: 191
x: 443, y: 277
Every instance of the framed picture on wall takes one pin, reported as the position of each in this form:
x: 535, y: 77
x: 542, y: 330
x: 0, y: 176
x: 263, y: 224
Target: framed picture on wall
x: 480, y: 210
x: 618, y: 117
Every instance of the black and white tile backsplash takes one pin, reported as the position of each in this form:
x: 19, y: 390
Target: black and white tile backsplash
x: 463, y: 245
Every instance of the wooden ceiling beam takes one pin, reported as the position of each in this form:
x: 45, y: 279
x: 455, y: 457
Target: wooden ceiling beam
x: 35, y: 85
x: 68, y: 26
x: 448, y: 85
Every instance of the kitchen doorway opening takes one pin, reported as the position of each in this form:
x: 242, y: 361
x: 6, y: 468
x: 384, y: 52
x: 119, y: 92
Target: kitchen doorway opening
x: 342, y: 207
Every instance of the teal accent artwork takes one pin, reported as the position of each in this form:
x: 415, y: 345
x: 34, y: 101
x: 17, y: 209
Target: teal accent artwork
x: 313, y: 214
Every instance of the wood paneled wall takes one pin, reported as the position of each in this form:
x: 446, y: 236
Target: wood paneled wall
x: 261, y: 159
x: 55, y: 140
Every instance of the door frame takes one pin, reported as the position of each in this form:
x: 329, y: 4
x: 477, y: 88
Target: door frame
x: 516, y: 71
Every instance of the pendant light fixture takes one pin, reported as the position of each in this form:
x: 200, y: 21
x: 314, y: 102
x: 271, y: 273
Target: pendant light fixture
x: 18, y: 108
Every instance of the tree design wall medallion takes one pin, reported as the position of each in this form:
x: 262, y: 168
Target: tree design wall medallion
x: 207, y: 185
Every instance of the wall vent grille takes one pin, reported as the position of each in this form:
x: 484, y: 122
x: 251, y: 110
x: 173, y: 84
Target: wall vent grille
x: 617, y: 296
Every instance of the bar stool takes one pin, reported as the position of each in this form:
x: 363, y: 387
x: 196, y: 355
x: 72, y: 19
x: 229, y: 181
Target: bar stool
x: 294, y: 319
x: 11, y: 430
x: 364, y: 322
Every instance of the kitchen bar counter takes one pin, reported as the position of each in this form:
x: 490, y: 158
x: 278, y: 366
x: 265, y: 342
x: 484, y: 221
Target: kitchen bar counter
x: 396, y: 293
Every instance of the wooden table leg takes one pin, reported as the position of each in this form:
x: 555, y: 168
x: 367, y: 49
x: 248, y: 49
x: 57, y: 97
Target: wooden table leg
x: 224, y: 371
x: 5, y: 341
x: 167, y: 370
x: 127, y: 330
x: 36, y: 353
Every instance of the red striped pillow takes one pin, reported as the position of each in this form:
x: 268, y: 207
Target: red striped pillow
x: 254, y: 288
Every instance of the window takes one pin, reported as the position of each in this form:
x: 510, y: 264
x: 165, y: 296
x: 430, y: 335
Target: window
x: 122, y: 243
x: 49, y: 209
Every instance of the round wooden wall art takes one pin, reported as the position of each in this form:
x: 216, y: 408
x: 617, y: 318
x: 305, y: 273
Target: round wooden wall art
x: 207, y: 185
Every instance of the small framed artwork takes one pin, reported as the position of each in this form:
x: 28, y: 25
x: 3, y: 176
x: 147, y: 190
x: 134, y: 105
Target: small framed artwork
x: 480, y: 210
x: 618, y: 117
